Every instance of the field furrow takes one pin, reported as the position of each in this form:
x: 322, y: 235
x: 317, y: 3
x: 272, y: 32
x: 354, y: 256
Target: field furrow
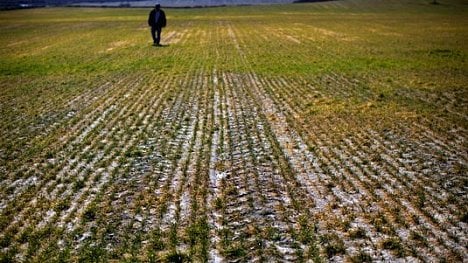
x: 318, y: 132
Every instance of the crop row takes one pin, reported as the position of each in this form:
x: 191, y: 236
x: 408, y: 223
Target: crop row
x: 254, y: 143
x: 365, y: 177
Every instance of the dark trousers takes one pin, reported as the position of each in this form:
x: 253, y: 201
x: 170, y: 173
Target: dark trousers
x: 156, y: 34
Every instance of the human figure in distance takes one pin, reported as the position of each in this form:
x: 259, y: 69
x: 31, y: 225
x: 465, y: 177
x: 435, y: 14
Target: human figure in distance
x: 156, y: 20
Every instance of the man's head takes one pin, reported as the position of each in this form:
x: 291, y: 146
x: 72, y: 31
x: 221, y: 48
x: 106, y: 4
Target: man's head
x: 157, y: 6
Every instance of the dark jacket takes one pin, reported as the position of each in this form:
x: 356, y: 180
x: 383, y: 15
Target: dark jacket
x: 161, y: 21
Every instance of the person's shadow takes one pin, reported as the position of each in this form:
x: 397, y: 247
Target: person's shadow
x: 161, y: 45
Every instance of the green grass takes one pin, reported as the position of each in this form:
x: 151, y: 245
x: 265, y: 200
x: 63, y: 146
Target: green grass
x: 50, y: 53
x: 301, y: 105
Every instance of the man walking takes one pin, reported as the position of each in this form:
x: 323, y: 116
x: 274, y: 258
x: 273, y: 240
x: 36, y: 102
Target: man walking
x: 157, y: 20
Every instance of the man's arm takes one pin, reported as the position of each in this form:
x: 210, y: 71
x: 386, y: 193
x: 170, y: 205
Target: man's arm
x: 151, y: 18
x: 163, y: 19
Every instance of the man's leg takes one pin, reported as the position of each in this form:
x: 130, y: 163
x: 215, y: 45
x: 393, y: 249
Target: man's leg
x: 158, y: 39
x: 153, y: 34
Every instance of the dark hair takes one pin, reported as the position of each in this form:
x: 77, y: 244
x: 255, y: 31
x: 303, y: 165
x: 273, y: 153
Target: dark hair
x: 157, y: 5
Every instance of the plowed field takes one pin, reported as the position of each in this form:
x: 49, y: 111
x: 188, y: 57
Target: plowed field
x: 319, y: 132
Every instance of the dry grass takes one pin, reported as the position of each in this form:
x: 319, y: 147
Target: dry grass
x: 326, y: 132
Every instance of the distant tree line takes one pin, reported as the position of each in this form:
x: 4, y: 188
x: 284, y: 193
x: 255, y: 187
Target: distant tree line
x: 311, y: 1
x: 15, y: 4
